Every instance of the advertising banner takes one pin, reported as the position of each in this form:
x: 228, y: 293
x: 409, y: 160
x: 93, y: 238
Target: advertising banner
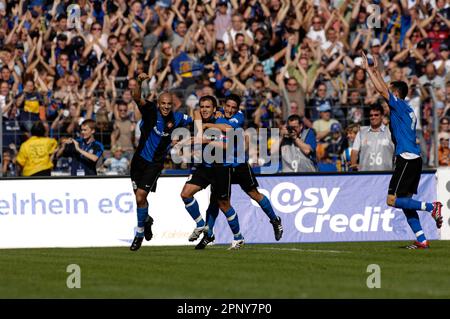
x: 98, y: 212
x: 89, y: 212
x: 327, y: 209
x: 443, y: 191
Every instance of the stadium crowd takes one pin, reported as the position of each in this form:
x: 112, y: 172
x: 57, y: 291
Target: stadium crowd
x: 63, y: 66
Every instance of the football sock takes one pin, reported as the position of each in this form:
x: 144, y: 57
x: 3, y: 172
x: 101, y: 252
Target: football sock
x: 413, y: 220
x: 428, y: 207
x: 408, y: 203
x: 142, y: 213
x: 267, y: 208
x: 233, y: 221
x: 193, y: 210
x: 211, y: 214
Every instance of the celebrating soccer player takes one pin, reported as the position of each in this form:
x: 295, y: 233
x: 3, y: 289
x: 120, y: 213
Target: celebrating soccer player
x: 408, y: 163
x: 214, y: 173
x: 158, y: 122
x: 242, y: 175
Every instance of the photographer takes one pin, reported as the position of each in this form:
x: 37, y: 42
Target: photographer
x: 297, y: 146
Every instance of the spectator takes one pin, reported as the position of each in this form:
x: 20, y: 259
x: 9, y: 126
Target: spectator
x: 373, y: 145
x: 117, y: 164
x: 431, y: 77
x: 9, y: 168
x: 291, y: 50
x: 351, y: 132
x: 293, y: 93
x: 444, y: 150
x: 36, y: 154
x: 335, y: 145
x: 124, y: 127
x: 222, y: 19
x: 322, y: 126
x: 31, y: 106
x: 297, y: 146
x: 85, y: 151
x: 237, y: 27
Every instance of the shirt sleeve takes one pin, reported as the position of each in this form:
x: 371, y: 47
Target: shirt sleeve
x: 222, y: 120
x: 148, y: 110
x: 237, y: 121
x: 395, y: 103
x: 357, y: 143
x: 21, y: 156
x: 98, y: 149
x: 185, y: 120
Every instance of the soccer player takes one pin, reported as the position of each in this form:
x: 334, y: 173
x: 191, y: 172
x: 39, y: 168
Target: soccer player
x: 408, y: 163
x: 218, y: 175
x: 242, y: 175
x: 158, y: 122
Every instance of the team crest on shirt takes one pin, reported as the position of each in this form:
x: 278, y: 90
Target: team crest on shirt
x: 91, y: 151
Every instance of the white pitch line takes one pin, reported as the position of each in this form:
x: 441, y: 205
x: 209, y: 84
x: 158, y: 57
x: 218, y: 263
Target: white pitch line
x: 306, y: 250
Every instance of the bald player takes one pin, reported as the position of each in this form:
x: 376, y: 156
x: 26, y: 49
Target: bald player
x: 158, y: 123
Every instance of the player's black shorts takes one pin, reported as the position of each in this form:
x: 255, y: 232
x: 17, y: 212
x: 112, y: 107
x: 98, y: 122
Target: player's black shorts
x: 244, y: 176
x: 219, y: 177
x: 144, y: 174
x: 406, y: 177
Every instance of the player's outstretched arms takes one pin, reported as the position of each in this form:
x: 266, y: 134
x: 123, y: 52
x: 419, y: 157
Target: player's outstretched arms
x: 137, y: 91
x: 375, y: 76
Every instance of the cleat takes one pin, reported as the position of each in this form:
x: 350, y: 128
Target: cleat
x: 436, y: 213
x: 137, y: 242
x: 196, y: 233
x: 277, y: 228
x: 236, y: 244
x: 205, y: 241
x: 148, y: 228
x: 418, y: 245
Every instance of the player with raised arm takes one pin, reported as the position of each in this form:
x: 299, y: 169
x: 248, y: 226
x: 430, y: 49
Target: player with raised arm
x: 242, y: 175
x: 408, y: 163
x: 158, y: 122
x: 216, y: 174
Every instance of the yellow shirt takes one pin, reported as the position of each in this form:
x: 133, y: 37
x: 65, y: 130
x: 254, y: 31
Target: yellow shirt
x: 34, y: 154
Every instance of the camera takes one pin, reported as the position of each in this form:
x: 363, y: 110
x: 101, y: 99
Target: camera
x: 370, y: 61
x: 290, y: 129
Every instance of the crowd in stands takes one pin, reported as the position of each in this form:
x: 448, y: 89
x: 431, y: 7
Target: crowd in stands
x: 295, y: 63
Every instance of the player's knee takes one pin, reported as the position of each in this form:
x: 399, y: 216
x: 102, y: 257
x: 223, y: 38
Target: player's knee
x: 141, y: 199
x: 255, y: 195
x: 390, y: 200
x: 185, y: 194
x: 224, y: 205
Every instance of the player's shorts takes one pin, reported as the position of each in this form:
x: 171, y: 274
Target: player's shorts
x: 144, y: 174
x: 219, y: 177
x: 406, y: 177
x: 244, y: 176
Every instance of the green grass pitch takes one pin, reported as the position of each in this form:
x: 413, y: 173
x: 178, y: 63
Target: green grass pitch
x: 325, y: 270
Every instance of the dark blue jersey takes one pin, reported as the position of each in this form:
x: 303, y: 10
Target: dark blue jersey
x: 237, y: 120
x: 216, y: 136
x: 403, y: 126
x: 81, y: 165
x: 156, y: 131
